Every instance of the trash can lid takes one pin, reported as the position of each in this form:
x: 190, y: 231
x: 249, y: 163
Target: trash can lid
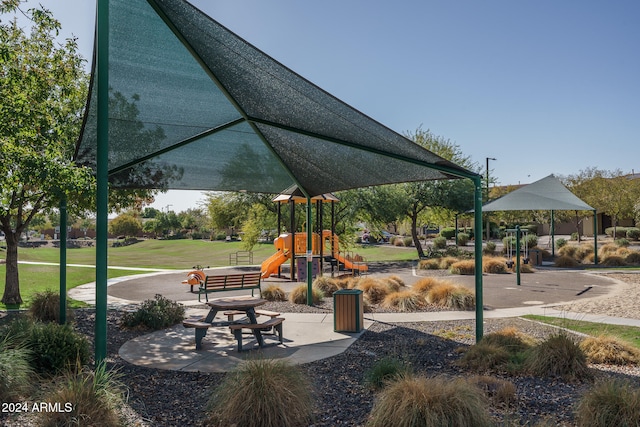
x: 348, y: 292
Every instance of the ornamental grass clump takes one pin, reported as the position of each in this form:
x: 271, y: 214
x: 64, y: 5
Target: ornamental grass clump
x: 384, y: 371
x: 451, y: 296
x: 425, y: 284
x: 429, y: 264
x: 612, y: 402
x: 404, y: 301
x: 613, y: 261
x: 274, y: 293
x: 447, y: 261
x: 500, y: 392
x: 633, y: 258
x: 416, y: 401
x: 503, y: 350
x: 465, y: 267
x: 89, y: 397
x: 298, y: 295
x: 494, y: 265
x: 154, y: 314
x: 565, y: 262
x: 609, y: 350
x: 45, y: 307
x: 394, y: 283
x: 274, y: 393
x: 558, y: 356
x: 325, y: 284
x: 373, y: 290
x: 15, y: 370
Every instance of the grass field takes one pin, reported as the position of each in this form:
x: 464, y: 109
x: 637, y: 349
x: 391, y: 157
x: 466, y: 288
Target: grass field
x: 161, y: 254
x: 629, y: 334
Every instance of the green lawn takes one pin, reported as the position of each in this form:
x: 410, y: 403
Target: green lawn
x: 629, y: 334
x: 164, y: 254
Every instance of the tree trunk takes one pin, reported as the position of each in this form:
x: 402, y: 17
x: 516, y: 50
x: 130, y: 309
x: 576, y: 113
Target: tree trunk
x: 414, y: 235
x: 12, y: 284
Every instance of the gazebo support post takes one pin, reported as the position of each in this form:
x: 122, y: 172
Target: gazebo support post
x: 477, y: 180
x: 63, y: 260
x: 553, y: 233
x: 309, y: 254
x: 102, y: 176
x: 595, y: 237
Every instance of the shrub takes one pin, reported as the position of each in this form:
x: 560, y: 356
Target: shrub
x: 417, y: 401
x: 325, y: 284
x: 494, y: 265
x: 448, y: 232
x: 158, y: 313
x: 440, y: 242
x: 398, y: 241
x: 298, y: 295
x: 565, y: 261
x: 274, y: 293
x: 609, y: 403
x: 56, y: 348
x: 558, y: 356
x: 45, y: 306
x: 620, y: 232
x: 408, y: 241
x: 463, y: 239
x: 15, y: 370
x: 429, y: 264
x: 373, y: 290
x: 575, y: 236
x: 560, y: 242
x: 609, y: 350
x: 622, y: 242
x: 529, y: 241
x: 489, y: 248
x: 280, y: 396
x: 451, y: 296
x: 464, y: 267
x: 383, y: 371
x: 95, y: 397
x: 404, y: 301
x: 633, y: 233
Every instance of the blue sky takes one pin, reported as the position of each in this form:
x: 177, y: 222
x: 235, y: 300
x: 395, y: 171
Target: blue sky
x: 542, y: 86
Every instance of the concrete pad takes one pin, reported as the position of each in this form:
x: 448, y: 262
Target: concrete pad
x: 307, y: 337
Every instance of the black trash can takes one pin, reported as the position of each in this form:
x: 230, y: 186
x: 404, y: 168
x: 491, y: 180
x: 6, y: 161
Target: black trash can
x: 348, y: 310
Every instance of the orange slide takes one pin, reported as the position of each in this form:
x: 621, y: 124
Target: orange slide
x: 349, y: 264
x: 271, y: 264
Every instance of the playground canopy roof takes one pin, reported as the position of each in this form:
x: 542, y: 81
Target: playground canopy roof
x: 194, y: 106
x: 546, y: 194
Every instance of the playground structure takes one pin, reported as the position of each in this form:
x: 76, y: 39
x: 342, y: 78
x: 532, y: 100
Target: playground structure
x: 325, y: 246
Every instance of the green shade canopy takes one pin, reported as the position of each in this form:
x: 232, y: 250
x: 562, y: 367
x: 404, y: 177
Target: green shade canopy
x: 193, y: 106
x: 546, y: 194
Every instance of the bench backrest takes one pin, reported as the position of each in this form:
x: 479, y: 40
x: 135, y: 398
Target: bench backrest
x: 233, y: 281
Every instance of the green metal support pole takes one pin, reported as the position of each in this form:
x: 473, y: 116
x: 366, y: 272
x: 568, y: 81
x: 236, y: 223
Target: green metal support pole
x: 553, y: 233
x: 478, y: 256
x: 309, y: 254
x: 595, y: 237
x: 518, y: 255
x: 63, y: 260
x: 102, y: 203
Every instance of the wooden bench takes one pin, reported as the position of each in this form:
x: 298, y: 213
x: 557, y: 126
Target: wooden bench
x: 231, y: 314
x: 257, y: 328
x: 229, y: 282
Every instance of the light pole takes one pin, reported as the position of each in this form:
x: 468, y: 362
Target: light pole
x: 488, y: 223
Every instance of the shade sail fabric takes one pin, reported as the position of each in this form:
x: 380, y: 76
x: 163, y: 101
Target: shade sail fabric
x: 546, y: 194
x: 193, y: 106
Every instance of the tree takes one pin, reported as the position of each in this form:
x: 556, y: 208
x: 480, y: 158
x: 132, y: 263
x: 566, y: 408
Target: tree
x: 613, y: 193
x: 43, y: 91
x: 226, y: 210
x: 453, y: 195
x: 125, y: 225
